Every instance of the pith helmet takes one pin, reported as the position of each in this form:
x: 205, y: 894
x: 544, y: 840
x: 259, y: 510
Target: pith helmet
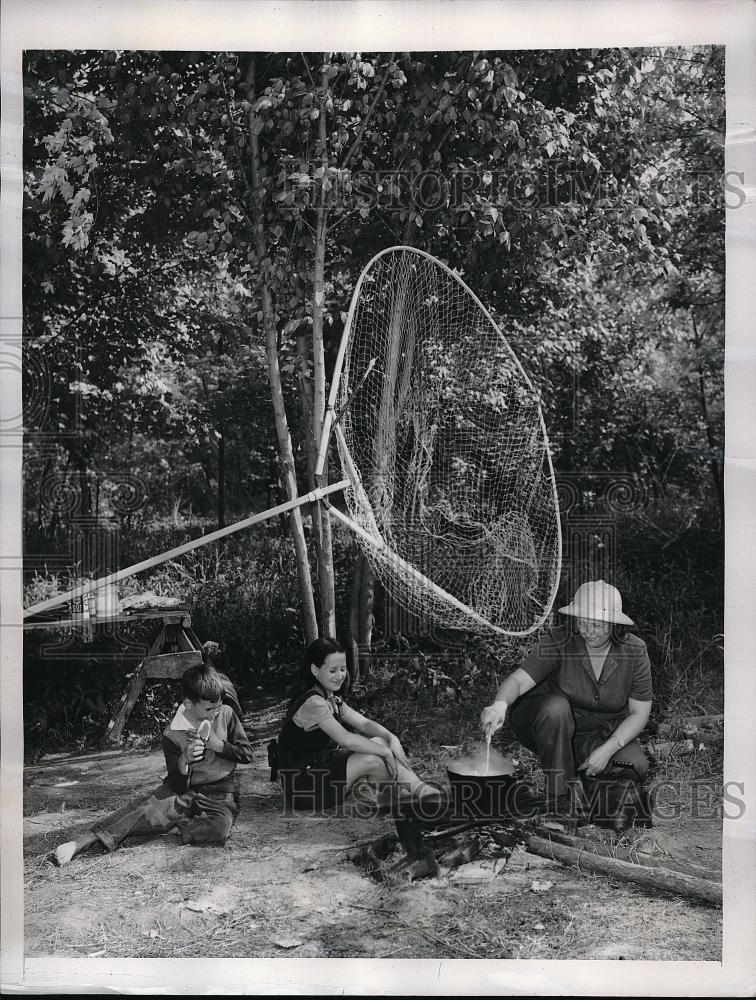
x: 599, y: 601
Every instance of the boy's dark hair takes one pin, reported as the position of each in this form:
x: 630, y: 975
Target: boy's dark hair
x: 202, y: 683
x: 316, y: 654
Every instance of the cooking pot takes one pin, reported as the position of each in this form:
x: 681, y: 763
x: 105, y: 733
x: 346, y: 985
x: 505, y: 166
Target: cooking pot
x: 482, y: 796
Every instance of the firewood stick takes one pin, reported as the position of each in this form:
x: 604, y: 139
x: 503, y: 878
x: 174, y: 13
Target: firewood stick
x: 658, y: 879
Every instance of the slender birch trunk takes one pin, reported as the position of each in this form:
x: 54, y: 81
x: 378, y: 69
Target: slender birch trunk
x: 355, y: 592
x: 323, y: 539
x: 286, y: 452
x: 310, y: 444
x: 366, y: 620
x: 221, y: 446
x: 715, y: 467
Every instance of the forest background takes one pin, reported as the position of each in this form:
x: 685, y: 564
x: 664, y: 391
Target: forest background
x: 194, y: 225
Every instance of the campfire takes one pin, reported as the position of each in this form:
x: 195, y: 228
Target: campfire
x: 488, y: 811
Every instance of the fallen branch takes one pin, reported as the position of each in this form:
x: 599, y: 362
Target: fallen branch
x: 634, y: 856
x: 693, y: 722
x: 665, y: 748
x: 657, y: 879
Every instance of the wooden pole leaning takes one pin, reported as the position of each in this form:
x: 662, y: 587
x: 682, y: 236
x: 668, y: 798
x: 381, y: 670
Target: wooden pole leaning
x: 122, y: 574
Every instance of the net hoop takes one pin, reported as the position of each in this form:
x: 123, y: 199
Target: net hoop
x: 377, y: 542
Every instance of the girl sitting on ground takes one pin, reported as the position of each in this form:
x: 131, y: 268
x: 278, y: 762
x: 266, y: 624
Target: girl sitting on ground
x: 325, y: 747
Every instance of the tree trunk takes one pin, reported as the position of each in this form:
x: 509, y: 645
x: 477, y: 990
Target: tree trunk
x: 323, y: 542
x: 221, y: 477
x: 52, y: 527
x: 365, y: 623
x: 715, y: 467
x: 306, y: 408
x: 310, y: 624
x: 85, y: 496
x: 45, y: 473
x: 221, y: 446
x: 355, y: 592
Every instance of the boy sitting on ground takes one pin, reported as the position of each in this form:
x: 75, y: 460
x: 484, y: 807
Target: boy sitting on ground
x: 202, y: 746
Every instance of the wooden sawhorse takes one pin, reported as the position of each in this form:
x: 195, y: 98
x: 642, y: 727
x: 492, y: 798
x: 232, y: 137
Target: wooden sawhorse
x: 175, y: 631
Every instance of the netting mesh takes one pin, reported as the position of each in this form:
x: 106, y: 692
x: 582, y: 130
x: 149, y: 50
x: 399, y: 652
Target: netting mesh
x: 447, y: 451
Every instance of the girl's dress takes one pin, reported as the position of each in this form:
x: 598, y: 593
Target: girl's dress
x: 311, y: 765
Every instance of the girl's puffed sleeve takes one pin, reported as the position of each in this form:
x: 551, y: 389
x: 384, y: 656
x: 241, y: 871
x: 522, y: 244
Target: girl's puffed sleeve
x: 312, y: 712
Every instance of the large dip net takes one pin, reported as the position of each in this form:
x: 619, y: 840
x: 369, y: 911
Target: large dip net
x: 441, y: 433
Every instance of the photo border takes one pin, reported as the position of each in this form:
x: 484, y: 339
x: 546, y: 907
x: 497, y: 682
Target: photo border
x: 315, y: 25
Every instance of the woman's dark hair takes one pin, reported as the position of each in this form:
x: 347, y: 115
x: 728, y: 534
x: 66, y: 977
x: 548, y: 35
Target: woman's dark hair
x: 619, y: 632
x: 316, y: 654
x: 202, y: 683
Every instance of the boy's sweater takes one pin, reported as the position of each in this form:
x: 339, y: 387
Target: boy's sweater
x: 215, y: 772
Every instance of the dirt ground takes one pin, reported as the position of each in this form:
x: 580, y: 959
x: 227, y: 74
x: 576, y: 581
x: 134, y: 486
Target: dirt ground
x: 286, y: 886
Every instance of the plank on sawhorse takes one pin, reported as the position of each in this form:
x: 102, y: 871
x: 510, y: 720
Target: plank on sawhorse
x: 175, y: 631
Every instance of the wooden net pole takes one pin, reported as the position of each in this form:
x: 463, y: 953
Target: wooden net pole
x: 180, y: 550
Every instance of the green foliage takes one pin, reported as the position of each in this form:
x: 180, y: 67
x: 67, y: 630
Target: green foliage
x: 578, y: 193
x: 244, y: 595
x: 59, y: 714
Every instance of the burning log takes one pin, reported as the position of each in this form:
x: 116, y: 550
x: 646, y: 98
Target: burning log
x: 656, y: 878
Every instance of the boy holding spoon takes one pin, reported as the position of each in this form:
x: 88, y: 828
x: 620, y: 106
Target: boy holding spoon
x: 202, y: 746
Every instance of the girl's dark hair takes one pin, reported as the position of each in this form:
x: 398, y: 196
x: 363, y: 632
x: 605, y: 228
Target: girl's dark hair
x: 619, y: 632
x: 202, y: 683
x: 316, y: 654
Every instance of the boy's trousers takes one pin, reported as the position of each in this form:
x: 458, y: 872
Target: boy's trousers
x: 201, y: 819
